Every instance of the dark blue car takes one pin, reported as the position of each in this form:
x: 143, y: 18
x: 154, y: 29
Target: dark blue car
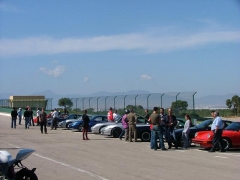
x: 93, y: 120
x: 63, y: 117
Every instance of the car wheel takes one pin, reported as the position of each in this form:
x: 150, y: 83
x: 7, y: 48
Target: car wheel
x: 146, y: 136
x: 226, y: 143
x: 100, y: 129
x: 80, y: 127
x: 67, y: 125
x: 116, y: 132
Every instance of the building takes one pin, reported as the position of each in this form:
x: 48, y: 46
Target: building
x: 32, y: 101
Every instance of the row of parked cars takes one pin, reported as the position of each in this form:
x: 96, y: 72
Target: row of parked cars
x: 199, y: 134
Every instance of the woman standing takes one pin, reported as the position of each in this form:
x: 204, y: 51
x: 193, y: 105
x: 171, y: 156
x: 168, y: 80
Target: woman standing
x: 85, y: 125
x: 186, y: 130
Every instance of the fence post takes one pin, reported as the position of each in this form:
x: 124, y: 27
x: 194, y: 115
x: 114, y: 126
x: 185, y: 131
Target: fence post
x: 114, y: 101
x: 147, y: 99
x: 161, y: 99
x: 124, y: 101
x: 89, y: 101
x: 106, y: 103
x: 83, y: 103
x: 97, y: 103
x: 135, y: 101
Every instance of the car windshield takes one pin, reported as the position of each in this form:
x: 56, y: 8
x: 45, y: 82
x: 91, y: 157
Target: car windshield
x: 235, y: 126
x: 204, y: 124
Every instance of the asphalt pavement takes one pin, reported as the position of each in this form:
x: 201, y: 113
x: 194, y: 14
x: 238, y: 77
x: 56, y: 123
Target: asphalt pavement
x: 62, y: 154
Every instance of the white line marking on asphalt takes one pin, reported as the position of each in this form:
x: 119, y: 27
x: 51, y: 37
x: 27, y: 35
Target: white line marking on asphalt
x: 200, y: 150
x: 63, y: 164
x: 71, y: 167
x: 232, y: 154
x: 220, y: 157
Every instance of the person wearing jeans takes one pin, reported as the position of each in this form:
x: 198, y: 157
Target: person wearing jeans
x: 125, y: 126
x: 26, y: 117
x: 14, y: 115
x: 185, y: 132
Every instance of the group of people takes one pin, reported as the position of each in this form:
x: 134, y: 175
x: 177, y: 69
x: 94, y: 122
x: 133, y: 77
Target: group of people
x: 27, y: 115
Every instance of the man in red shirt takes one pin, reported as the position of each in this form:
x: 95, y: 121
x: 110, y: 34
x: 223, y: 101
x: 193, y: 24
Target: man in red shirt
x: 110, y: 115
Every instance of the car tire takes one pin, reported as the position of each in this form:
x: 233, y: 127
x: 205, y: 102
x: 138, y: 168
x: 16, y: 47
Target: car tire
x: 80, y: 127
x: 67, y: 125
x: 116, y: 132
x: 226, y: 143
x: 101, y: 129
x: 145, y: 136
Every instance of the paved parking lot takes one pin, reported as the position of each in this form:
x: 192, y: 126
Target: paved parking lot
x: 62, y: 154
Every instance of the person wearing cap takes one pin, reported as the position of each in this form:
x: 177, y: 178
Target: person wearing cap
x: 125, y: 126
x: 110, y: 115
x: 19, y: 115
x: 14, y: 115
x: 132, y: 121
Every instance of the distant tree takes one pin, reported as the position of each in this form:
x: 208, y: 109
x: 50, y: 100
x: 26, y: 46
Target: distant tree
x: 229, y: 103
x: 234, y: 103
x: 179, y: 105
x: 65, y: 102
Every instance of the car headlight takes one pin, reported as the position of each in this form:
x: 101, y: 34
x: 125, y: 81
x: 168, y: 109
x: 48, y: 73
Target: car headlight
x: 196, y: 134
x: 208, y: 136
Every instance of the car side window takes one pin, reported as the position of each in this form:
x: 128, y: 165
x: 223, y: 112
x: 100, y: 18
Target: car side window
x: 98, y: 119
x: 105, y: 119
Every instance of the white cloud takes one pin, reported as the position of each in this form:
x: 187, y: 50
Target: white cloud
x: 86, y: 79
x: 147, y: 42
x: 145, y: 77
x: 57, y: 71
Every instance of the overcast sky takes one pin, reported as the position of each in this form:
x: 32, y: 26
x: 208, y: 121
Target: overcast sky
x: 82, y: 47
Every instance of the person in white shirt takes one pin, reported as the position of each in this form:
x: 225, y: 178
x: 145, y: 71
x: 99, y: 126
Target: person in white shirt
x: 54, y: 121
x: 116, y: 116
x: 186, y: 131
x: 38, y: 116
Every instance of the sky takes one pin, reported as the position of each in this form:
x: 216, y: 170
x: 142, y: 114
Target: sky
x: 82, y: 47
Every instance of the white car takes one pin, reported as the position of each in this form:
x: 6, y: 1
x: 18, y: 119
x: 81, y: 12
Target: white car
x: 116, y: 128
x: 96, y: 129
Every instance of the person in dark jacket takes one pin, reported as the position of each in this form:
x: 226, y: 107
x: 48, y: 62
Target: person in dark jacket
x: 85, y: 125
x: 43, y: 121
x: 171, y: 122
x: 14, y: 115
x: 31, y: 122
x: 26, y: 115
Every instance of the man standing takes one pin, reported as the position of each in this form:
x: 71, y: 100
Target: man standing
x: 14, y: 115
x: 155, y: 120
x: 216, y: 128
x: 116, y: 116
x: 162, y: 127
x: 132, y: 121
x: 26, y: 115
x: 55, y: 117
x: 43, y: 121
x: 146, y: 116
x: 171, y: 122
x: 110, y: 115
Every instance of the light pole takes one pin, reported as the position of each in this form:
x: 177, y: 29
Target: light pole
x: 106, y: 103
x: 161, y: 99
x: 97, y: 103
x: 147, y: 100
x: 114, y: 101
x: 83, y: 103
x: 135, y: 101
x: 76, y: 104
x: 124, y: 101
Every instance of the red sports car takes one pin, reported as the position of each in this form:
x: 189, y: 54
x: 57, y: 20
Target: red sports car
x: 231, y: 137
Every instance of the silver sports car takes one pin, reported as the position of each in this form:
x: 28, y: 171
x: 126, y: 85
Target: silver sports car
x: 96, y: 129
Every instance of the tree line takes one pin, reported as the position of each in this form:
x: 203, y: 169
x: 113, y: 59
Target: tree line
x: 179, y: 107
